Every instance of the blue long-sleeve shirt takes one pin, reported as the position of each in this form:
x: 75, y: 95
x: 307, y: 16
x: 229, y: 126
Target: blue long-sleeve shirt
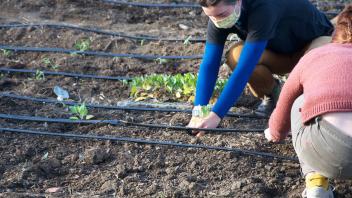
x: 209, y: 70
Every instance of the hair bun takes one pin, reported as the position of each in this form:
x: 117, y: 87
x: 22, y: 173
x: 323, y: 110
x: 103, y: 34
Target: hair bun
x: 343, y: 30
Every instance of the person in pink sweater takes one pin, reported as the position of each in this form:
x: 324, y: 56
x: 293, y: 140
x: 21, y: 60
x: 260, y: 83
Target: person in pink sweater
x: 316, y: 106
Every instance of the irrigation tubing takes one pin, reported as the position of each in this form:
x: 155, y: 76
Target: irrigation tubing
x: 153, y: 5
x: 121, y: 123
x: 170, y: 6
x: 99, y: 31
x: 74, y: 75
x: 95, y: 53
x: 160, y: 5
x: 123, y: 108
x: 145, y: 141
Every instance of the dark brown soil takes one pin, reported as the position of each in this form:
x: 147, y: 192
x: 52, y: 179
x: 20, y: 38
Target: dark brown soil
x: 30, y: 166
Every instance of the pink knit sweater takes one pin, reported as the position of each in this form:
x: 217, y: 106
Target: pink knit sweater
x: 324, y: 76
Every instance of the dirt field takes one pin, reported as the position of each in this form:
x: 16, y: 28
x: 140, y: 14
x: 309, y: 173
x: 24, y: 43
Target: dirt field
x: 30, y: 165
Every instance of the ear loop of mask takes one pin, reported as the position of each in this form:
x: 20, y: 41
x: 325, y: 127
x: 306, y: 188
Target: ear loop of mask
x: 238, y: 7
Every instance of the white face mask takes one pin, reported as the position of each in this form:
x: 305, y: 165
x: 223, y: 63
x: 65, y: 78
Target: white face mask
x: 229, y: 21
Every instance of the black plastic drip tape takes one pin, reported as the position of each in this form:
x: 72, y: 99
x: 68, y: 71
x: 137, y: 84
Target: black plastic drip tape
x: 173, y: 5
x: 103, y: 32
x: 94, y: 53
x: 164, y: 5
x: 121, y: 123
x: 74, y: 75
x: 153, y: 5
x: 123, y: 108
x: 151, y: 142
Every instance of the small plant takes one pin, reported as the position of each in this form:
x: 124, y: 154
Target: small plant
x: 6, y: 52
x: 45, y: 156
x: 187, y: 40
x: 39, y: 75
x: 48, y: 62
x: 80, y: 112
x: 142, y: 42
x: 167, y: 87
x: 83, y: 45
x: 162, y: 60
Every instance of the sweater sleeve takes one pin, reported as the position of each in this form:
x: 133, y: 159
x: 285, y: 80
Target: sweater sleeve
x: 280, y: 119
x: 249, y: 58
x: 208, y: 73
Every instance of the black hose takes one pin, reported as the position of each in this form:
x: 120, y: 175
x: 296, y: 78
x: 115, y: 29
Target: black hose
x: 121, y: 122
x: 94, y: 53
x: 75, y: 75
x: 172, y: 5
x: 103, y: 32
x: 123, y: 108
x: 152, y: 142
x: 153, y: 5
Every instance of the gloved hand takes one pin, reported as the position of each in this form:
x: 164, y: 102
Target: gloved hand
x: 210, y: 121
x: 270, y: 137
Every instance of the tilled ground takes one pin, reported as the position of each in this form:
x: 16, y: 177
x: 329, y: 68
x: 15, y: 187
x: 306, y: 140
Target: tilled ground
x: 31, y: 165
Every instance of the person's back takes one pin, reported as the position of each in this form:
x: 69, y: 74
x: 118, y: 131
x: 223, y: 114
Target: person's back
x: 316, y: 104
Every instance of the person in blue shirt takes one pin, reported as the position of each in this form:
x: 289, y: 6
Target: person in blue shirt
x: 274, y: 36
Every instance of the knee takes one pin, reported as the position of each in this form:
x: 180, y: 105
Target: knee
x: 233, y: 54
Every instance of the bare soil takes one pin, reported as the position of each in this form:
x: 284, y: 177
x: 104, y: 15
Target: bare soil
x: 30, y: 165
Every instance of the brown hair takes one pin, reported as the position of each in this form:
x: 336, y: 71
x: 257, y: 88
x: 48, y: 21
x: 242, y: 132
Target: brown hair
x: 208, y: 3
x: 343, y: 30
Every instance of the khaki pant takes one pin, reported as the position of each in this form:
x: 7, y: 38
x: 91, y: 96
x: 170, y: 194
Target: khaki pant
x: 320, y: 146
x: 262, y: 82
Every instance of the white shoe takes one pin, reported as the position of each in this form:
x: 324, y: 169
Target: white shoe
x: 318, y: 192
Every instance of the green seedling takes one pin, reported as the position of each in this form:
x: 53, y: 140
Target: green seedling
x: 83, y: 45
x: 142, y: 42
x: 80, y: 112
x: 45, y: 156
x: 6, y: 52
x: 170, y: 87
x: 187, y: 40
x: 48, y: 62
x: 162, y: 60
x: 39, y: 75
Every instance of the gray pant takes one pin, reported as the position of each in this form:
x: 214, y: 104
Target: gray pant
x: 320, y: 146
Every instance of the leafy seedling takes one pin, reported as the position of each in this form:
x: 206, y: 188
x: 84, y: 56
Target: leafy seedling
x: 83, y: 45
x: 180, y: 87
x: 187, y: 40
x: 48, y: 62
x: 39, y: 75
x: 80, y: 112
x: 142, y: 42
x: 162, y: 60
x: 6, y: 52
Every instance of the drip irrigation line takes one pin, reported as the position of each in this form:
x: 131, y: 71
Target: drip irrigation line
x: 57, y: 120
x: 95, y: 53
x: 75, y: 75
x: 121, y: 123
x: 123, y: 108
x: 151, y: 142
x: 99, y: 31
x: 154, y: 5
x: 172, y: 5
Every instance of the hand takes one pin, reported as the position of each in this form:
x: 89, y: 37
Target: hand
x: 269, y: 137
x: 211, y: 121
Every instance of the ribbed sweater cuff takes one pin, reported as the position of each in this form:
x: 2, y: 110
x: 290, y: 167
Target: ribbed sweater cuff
x: 318, y: 109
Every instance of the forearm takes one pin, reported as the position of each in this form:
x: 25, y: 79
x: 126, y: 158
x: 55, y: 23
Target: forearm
x: 208, y: 73
x: 249, y: 58
x: 280, y: 120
